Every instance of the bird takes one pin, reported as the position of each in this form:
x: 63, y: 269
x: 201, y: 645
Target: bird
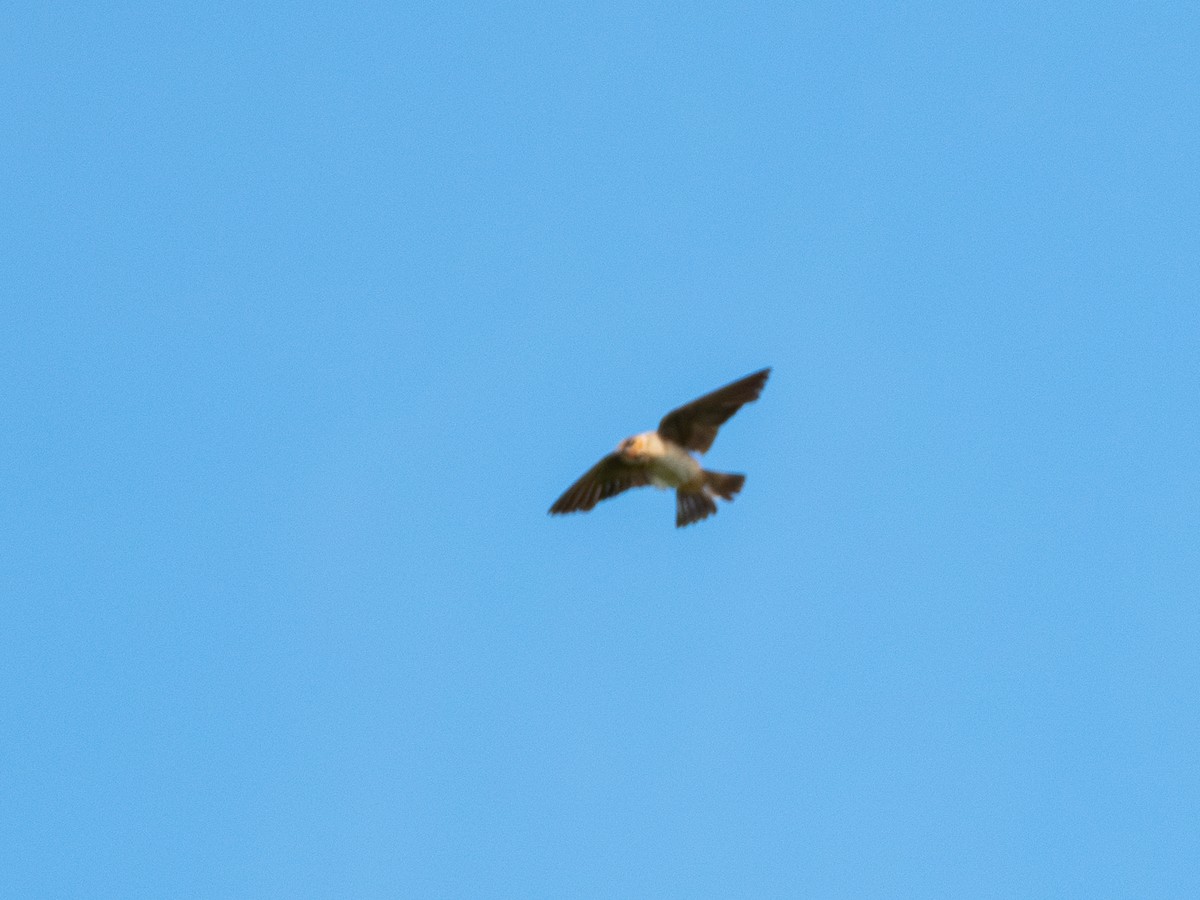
x: 663, y: 458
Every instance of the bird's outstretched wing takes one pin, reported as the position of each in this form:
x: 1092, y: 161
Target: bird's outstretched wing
x: 695, y: 426
x: 607, y: 478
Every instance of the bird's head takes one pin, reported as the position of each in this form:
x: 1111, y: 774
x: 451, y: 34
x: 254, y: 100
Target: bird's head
x: 632, y: 448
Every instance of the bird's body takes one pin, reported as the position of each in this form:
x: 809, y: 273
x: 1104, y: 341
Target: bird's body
x: 662, y: 458
x: 667, y: 464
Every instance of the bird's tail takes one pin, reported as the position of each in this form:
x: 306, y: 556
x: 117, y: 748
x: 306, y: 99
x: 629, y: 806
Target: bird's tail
x: 723, y: 485
x: 692, y: 506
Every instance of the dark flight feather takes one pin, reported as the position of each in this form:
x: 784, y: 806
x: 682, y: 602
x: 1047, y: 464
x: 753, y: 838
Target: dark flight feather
x: 695, y: 425
x: 607, y: 478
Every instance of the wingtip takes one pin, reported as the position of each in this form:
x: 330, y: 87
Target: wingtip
x: 758, y: 380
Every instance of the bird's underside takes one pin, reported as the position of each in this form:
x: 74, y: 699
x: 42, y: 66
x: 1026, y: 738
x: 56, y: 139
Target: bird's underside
x: 663, y: 458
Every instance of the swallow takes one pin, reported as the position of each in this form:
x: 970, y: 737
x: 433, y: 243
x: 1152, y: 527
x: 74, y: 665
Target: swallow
x: 663, y: 458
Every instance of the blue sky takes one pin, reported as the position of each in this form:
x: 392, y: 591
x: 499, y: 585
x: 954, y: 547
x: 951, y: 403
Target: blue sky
x: 312, y: 312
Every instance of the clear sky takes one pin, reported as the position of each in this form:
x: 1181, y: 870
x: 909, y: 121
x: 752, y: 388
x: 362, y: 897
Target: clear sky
x: 310, y: 312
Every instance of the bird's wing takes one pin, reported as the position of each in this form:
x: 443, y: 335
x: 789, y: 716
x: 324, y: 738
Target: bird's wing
x: 695, y: 426
x: 607, y: 478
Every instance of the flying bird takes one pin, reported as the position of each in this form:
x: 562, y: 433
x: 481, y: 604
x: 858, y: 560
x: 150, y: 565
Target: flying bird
x: 663, y: 458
